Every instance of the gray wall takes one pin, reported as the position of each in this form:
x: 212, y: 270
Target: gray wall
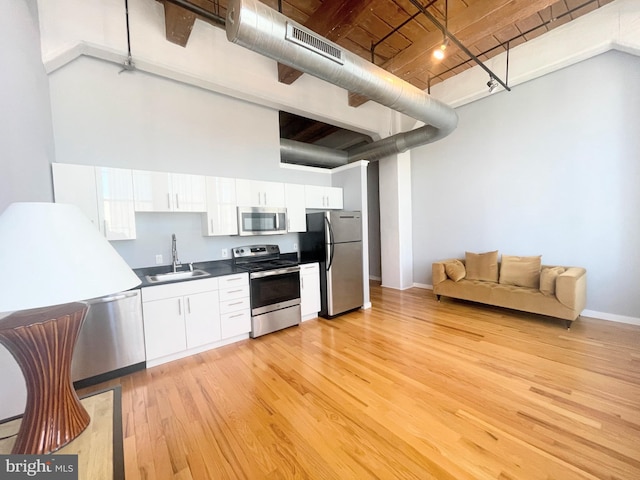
x: 26, y: 139
x: 550, y: 168
x: 375, y: 269
x: 137, y: 120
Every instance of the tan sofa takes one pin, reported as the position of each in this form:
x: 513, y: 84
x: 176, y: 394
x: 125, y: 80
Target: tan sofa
x: 563, y: 292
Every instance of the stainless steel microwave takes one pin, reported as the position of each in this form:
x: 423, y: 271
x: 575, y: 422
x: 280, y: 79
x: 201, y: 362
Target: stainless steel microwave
x: 262, y: 220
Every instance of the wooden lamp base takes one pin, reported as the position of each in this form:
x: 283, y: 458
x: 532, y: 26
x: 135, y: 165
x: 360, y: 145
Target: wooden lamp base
x: 42, y: 342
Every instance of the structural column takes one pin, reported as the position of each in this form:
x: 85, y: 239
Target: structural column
x: 396, y: 234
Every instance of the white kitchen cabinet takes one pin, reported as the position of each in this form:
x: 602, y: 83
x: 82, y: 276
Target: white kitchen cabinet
x: 179, y: 317
x: 235, y: 306
x: 104, y: 194
x: 255, y: 193
x: 76, y: 184
x: 115, y: 203
x: 309, y: 290
x: 164, y: 332
x: 169, y: 192
x: 296, y: 212
x: 319, y: 197
x: 221, y: 217
x: 202, y: 318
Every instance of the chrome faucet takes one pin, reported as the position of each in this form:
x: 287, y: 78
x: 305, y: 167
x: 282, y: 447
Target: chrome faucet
x: 174, y: 253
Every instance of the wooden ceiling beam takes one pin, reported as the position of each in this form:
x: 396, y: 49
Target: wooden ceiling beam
x: 334, y: 20
x: 178, y: 23
x: 179, y: 20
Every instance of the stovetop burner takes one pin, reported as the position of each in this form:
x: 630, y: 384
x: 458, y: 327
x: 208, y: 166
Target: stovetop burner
x: 254, y: 258
x: 257, y: 266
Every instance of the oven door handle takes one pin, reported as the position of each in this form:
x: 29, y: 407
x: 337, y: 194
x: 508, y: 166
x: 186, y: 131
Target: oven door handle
x: 277, y: 271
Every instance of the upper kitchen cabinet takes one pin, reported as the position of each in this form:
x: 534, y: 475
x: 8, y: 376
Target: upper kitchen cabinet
x: 115, y: 203
x: 169, y: 192
x: 255, y: 193
x: 104, y: 194
x: 76, y: 184
x: 221, y: 216
x: 296, y: 212
x: 323, y: 197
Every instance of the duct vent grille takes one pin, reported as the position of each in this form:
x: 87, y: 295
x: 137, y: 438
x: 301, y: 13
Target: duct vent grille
x: 314, y: 43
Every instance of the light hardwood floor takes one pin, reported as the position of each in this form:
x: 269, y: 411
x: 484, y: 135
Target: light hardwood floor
x: 410, y: 389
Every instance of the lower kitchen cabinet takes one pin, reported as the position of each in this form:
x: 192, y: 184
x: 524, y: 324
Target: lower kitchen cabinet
x: 202, y: 318
x: 164, y: 331
x: 181, y: 319
x: 309, y: 290
x: 235, y: 306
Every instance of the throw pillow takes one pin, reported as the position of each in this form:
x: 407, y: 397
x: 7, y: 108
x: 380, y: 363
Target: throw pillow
x: 520, y: 271
x: 482, y: 266
x: 548, y: 279
x: 455, y: 270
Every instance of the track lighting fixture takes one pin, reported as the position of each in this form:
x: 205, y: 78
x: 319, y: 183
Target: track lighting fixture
x: 438, y: 53
x: 492, y: 84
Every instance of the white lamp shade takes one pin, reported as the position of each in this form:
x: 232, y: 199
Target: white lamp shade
x: 50, y: 254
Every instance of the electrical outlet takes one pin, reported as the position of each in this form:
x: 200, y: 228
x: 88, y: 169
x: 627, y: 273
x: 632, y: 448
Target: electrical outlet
x: 158, y: 259
x: 225, y: 253
x: 295, y: 247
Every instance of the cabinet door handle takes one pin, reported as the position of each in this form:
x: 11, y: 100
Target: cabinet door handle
x: 235, y: 303
x: 211, y: 229
x: 169, y: 201
x: 301, y: 282
x: 234, y: 291
x: 236, y: 315
x: 179, y: 306
x: 188, y: 304
x: 177, y: 202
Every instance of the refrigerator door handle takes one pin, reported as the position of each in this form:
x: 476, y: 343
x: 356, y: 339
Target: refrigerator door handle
x: 330, y: 249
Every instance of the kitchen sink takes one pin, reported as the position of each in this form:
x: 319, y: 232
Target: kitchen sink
x: 170, y: 276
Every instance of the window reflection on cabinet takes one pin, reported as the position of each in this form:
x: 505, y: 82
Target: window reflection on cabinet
x: 221, y: 217
x: 104, y: 194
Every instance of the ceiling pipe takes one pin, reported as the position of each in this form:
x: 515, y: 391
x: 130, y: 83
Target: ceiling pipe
x: 257, y: 27
x: 301, y: 153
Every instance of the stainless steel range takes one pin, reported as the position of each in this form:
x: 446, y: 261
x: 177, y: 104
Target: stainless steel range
x: 274, y: 285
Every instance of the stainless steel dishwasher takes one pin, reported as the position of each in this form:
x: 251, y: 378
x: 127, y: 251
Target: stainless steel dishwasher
x: 111, y: 340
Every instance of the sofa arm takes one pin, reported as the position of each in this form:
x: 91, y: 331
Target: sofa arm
x: 571, y: 288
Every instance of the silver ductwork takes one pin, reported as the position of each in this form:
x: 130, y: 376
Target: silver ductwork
x: 308, y: 154
x: 257, y: 27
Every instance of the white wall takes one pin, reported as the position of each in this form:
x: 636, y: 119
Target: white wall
x: 550, y: 168
x: 142, y: 121
x: 26, y: 139
x: 26, y: 145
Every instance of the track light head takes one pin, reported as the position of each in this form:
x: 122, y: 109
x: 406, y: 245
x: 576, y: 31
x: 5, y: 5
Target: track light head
x: 492, y: 84
x: 438, y: 53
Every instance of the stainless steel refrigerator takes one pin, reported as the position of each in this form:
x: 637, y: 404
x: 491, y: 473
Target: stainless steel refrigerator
x: 334, y: 239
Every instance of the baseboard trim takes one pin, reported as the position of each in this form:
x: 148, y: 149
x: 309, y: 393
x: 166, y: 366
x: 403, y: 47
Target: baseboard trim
x: 611, y: 317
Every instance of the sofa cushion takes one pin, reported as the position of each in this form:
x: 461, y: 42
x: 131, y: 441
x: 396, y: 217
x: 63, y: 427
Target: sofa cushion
x: 520, y: 271
x: 482, y: 266
x: 455, y: 270
x: 548, y: 277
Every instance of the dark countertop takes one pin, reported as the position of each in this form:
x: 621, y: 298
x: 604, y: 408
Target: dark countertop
x: 215, y: 268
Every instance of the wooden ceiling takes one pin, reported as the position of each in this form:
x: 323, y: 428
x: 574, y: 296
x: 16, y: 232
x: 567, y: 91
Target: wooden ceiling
x: 398, y: 37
